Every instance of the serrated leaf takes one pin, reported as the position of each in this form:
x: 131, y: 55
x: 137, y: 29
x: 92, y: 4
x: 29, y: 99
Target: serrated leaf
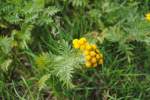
x: 42, y: 81
x: 4, y: 66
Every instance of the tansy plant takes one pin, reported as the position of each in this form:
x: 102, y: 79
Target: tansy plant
x: 92, y: 56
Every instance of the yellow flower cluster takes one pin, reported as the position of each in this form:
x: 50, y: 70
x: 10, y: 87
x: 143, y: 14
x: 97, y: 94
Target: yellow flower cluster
x: 92, y: 55
x: 147, y: 16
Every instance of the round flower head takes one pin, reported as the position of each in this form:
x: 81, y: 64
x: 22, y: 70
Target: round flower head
x: 88, y: 47
x: 93, y: 46
x: 75, y: 41
x: 92, y: 53
x: 100, y: 61
x: 88, y: 64
x: 76, y: 46
x: 82, y: 41
x: 97, y: 56
x: 86, y: 52
x: 94, y: 65
x: 93, y: 60
x: 87, y: 57
x: 82, y: 47
x: 147, y: 16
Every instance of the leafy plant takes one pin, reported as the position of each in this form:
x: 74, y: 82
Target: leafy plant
x: 37, y: 60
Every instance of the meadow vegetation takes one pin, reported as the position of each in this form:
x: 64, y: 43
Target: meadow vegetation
x: 47, y: 49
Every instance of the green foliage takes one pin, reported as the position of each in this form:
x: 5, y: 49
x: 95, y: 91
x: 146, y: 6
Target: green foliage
x: 28, y: 12
x: 37, y: 60
x: 5, y: 48
x: 79, y: 3
x: 61, y: 65
x: 5, y: 45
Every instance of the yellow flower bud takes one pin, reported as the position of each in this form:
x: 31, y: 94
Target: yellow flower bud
x: 147, y: 16
x: 88, y: 57
x: 101, y: 61
x: 88, y: 47
x: 82, y: 47
x: 86, y: 52
x: 92, y: 53
x: 93, y: 60
x: 95, y: 65
x: 82, y: 41
x: 88, y: 64
x: 97, y: 56
x: 76, y: 46
x: 75, y: 41
x: 94, y: 46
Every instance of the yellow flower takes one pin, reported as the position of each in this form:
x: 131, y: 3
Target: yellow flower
x: 88, y: 64
x: 75, y: 41
x: 82, y: 47
x: 94, y: 46
x: 86, y: 52
x: 76, y: 46
x: 147, y: 16
x: 94, y: 65
x: 93, y: 60
x: 101, y: 61
x: 82, y: 41
x: 97, y: 56
x: 88, y: 57
x: 88, y: 47
x: 92, y: 53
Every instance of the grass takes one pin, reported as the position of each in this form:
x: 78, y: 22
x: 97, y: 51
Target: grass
x: 38, y: 61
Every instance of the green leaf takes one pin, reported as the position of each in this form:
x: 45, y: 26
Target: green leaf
x: 38, y: 4
x: 4, y: 66
x: 42, y: 81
